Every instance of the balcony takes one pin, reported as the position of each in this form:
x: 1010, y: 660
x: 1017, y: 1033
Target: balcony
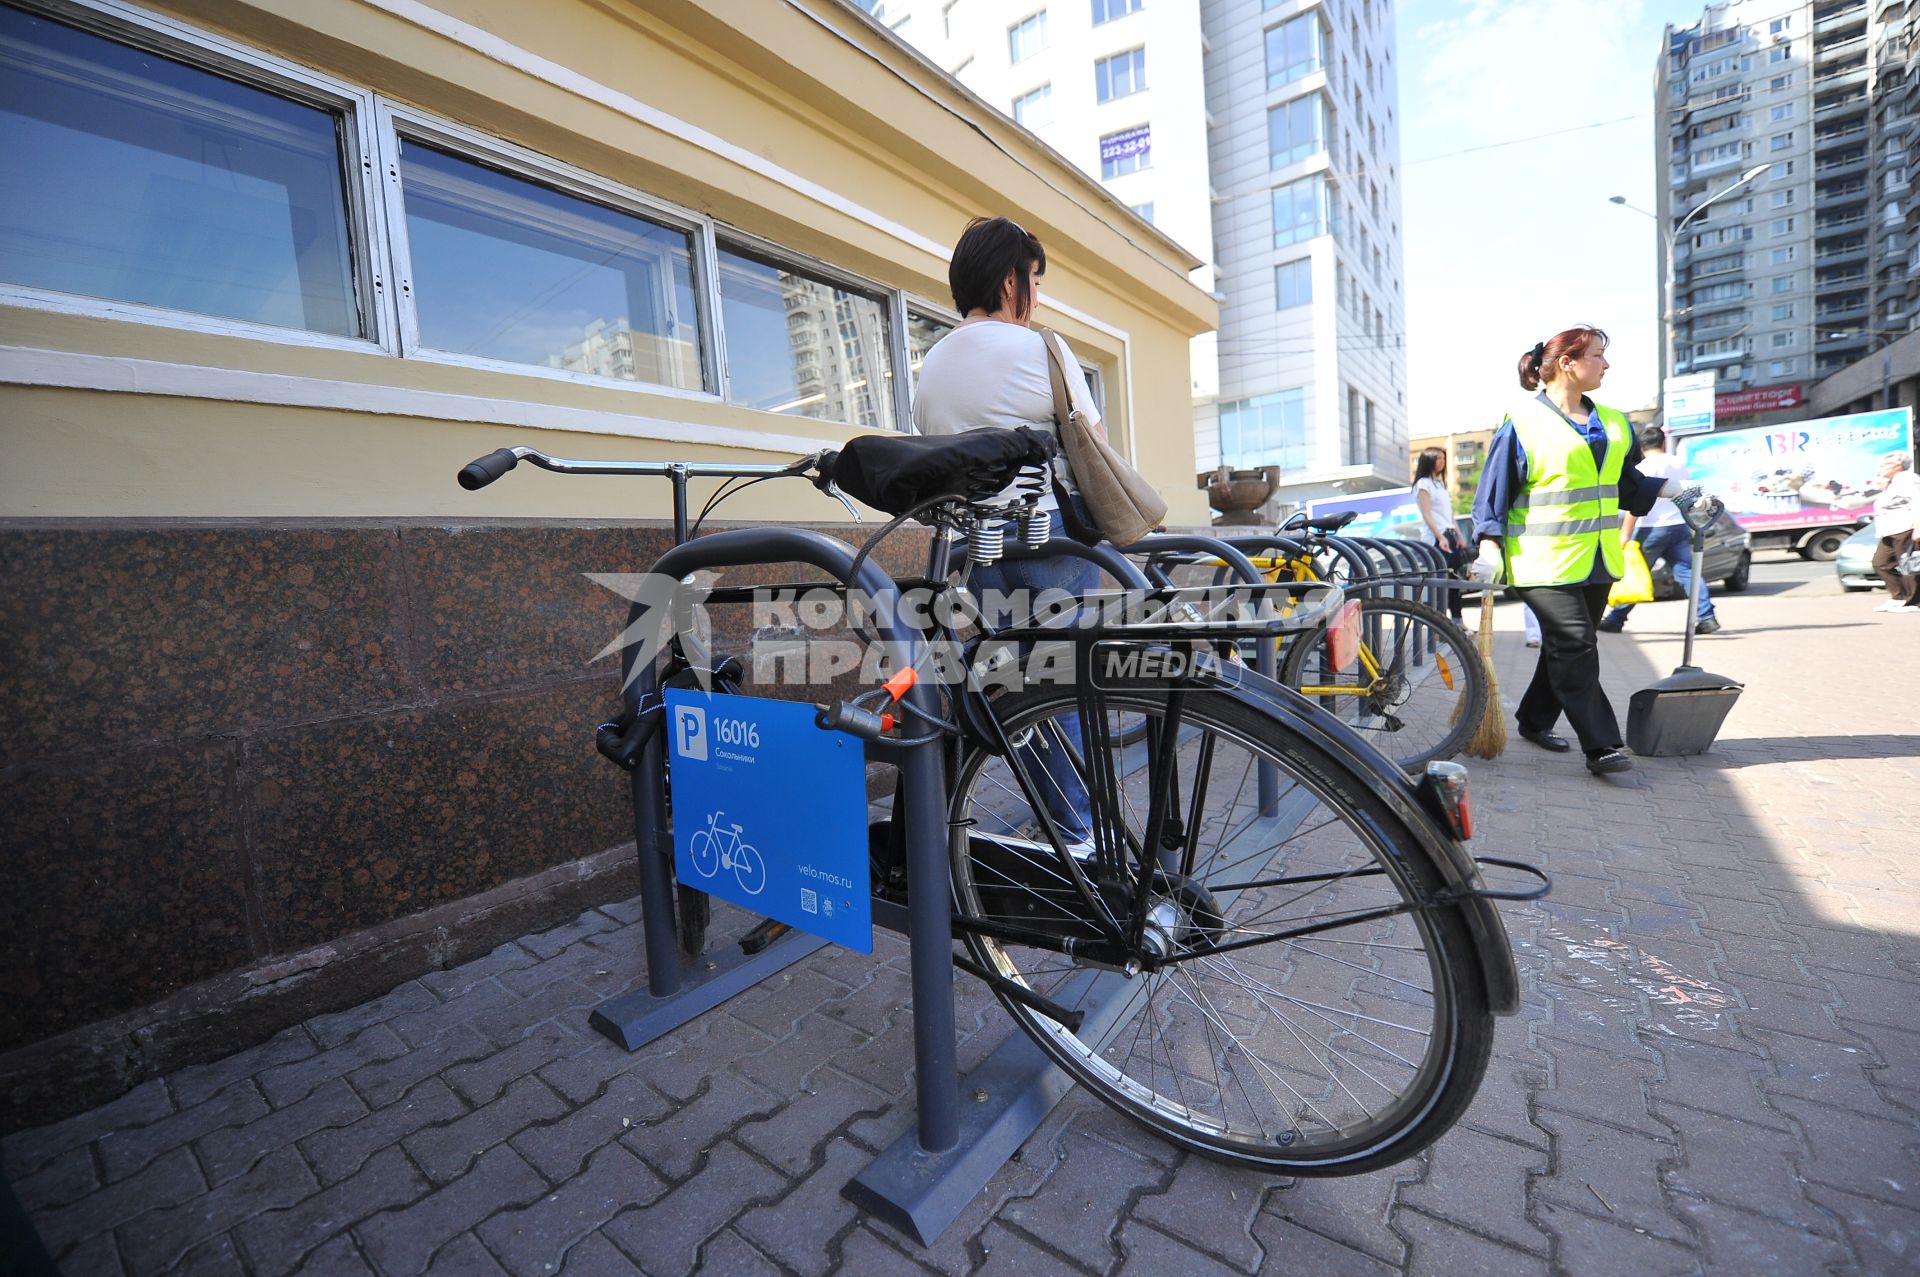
x: 1846, y: 341
x: 1839, y: 108
x: 1840, y: 18
x: 1842, y: 165
x: 1839, y: 194
x: 1855, y: 308
x: 1719, y: 357
x: 1718, y: 266
x: 1833, y: 137
x: 1716, y: 327
x: 1839, y: 279
x: 1850, y: 75
x: 1842, y: 47
x: 1839, y: 225
x: 1853, y: 252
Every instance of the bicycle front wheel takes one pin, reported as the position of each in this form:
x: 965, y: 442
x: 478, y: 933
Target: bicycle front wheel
x: 1309, y: 1022
x: 1417, y: 690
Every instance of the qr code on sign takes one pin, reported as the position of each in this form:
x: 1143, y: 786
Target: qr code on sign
x: 810, y: 900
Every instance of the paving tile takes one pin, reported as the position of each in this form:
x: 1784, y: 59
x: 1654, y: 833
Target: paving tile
x: 1006, y: 1252
x: 337, y: 1258
x: 1738, y: 1241
x: 1884, y: 1239
x: 791, y: 1135
x: 464, y: 1256
x: 798, y: 1230
x: 403, y: 1242
x: 790, y: 1066
x: 332, y: 1029
x: 1075, y: 1210
x: 531, y: 1241
x: 1480, y: 1183
x: 1353, y: 1210
x: 278, y: 1242
x: 232, y: 1151
x: 27, y: 1151
x: 552, y: 943
x: 1148, y: 1250
x: 1597, y: 1246
x: 445, y: 1151
x: 284, y: 1084
x: 595, y: 1256
x: 130, y: 1149
x: 67, y: 1178
x: 481, y: 1081
x: 675, y: 1141
x: 167, y: 1181
x: 1439, y: 1248
x: 1211, y: 1207
x: 1872, y: 1157
x: 158, y: 1240
x: 338, y: 1152
x: 383, y: 1082
x: 560, y: 1147
x: 199, y: 1082
x: 454, y: 981
x: 1617, y: 1173
x: 1599, y: 1084
x: 672, y: 1232
x: 461, y: 1009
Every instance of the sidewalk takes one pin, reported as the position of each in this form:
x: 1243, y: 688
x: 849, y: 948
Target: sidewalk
x: 1716, y: 1069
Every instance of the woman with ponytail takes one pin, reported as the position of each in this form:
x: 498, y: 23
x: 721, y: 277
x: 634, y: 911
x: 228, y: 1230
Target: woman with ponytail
x: 1558, y: 473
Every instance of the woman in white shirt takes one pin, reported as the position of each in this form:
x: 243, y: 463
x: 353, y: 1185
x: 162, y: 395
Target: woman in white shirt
x: 1894, y: 514
x: 1437, y: 527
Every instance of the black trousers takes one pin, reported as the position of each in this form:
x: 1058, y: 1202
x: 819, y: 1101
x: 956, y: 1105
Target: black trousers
x: 1900, y: 588
x: 1567, y: 679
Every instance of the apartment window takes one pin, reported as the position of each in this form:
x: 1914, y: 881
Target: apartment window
x: 1782, y: 284
x: 1780, y: 368
x: 1780, y: 199
x: 1781, y: 256
x: 1780, y: 26
x: 1108, y: 10
x: 1779, y: 53
x: 1781, y: 141
x: 1120, y: 75
x: 1265, y: 430
x: 804, y: 345
x: 1780, y: 82
x: 1127, y: 151
x: 1295, y: 48
x: 1144, y: 211
x: 1299, y: 211
x: 138, y: 178
x: 1027, y: 37
x: 1782, y: 226
x: 922, y: 332
x: 1782, y: 112
x: 507, y: 269
x: 1293, y: 283
x: 1783, y: 341
x: 1296, y: 130
x: 1783, y: 312
x: 1035, y: 108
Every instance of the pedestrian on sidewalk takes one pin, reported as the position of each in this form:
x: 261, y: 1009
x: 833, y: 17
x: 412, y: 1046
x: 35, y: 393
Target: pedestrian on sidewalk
x: 1547, y: 519
x: 1894, y: 511
x: 1663, y: 534
x: 1437, y: 527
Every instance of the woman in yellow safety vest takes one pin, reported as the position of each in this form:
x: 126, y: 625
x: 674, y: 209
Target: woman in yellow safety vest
x: 1547, y: 516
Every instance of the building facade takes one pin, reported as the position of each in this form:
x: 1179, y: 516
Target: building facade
x: 1808, y: 267
x: 1264, y: 138
x: 286, y: 716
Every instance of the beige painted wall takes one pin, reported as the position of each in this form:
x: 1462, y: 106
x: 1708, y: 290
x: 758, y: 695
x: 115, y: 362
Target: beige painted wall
x: 869, y: 159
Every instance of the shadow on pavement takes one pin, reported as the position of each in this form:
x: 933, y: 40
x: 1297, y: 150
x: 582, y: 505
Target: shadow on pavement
x: 1759, y: 750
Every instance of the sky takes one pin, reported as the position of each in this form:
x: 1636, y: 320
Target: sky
x: 1509, y: 244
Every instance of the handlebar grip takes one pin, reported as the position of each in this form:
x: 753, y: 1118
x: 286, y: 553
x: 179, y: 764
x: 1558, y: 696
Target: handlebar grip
x: 478, y: 474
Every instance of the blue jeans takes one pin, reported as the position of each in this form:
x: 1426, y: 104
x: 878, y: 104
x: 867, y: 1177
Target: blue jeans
x: 1049, y: 763
x: 1675, y: 545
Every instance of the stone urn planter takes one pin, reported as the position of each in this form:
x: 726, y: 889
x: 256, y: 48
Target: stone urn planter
x: 1239, y: 494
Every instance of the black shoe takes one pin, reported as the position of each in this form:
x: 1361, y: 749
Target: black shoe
x: 1610, y: 627
x: 1609, y: 761
x: 1547, y: 741
x: 1708, y: 626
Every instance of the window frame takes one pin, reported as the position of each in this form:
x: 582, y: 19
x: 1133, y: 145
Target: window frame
x: 399, y: 122
x: 1137, y: 59
x: 366, y: 216
x: 1039, y: 20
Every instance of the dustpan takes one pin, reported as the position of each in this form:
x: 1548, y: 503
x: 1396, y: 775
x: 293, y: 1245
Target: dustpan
x: 1683, y: 712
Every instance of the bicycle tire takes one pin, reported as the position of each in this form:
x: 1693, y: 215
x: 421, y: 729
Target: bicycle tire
x: 1427, y: 703
x: 1213, y: 1035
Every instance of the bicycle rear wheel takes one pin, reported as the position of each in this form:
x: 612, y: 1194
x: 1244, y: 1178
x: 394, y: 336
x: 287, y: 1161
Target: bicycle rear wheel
x: 1416, y: 693
x: 1326, y: 1053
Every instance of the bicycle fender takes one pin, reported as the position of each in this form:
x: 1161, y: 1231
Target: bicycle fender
x: 1491, y: 944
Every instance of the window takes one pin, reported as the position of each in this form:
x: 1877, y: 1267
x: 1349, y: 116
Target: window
x: 922, y: 332
x: 505, y: 268
x: 1781, y: 199
x: 1783, y: 312
x: 1108, y: 10
x: 1299, y: 211
x: 1780, y: 368
x: 1779, y: 26
x: 1782, y: 112
x: 1295, y: 48
x: 1782, y: 226
x: 1779, y: 53
x: 1143, y: 211
x: 1035, y: 108
x: 1782, y: 284
x: 803, y: 345
x: 1781, y: 256
x: 1780, y: 82
x: 1265, y: 430
x: 1027, y: 37
x: 1120, y: 75
x: 1784, y: 341
x: 1296, y: 130
x: 1127, y: 151
x: 1780, y: 142
x: 138, y: 178
x: 1293, y: 283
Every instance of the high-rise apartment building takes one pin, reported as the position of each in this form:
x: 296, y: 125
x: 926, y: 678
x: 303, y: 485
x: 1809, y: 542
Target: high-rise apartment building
x: 1806, y: 268
x: 1262, y: 137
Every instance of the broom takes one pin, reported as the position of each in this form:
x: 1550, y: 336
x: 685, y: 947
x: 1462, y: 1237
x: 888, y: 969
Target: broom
x: 1489, y: 740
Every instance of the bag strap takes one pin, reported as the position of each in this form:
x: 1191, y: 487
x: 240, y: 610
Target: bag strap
x: 1063, y: 408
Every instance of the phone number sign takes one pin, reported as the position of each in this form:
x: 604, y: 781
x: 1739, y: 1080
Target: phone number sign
x: 770, y: 812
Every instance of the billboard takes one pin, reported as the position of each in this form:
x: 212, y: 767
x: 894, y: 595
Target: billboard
x: 1392, y: 513
x: 1686, y: 404
x: 1742, y: 403
x: 1800, y: 474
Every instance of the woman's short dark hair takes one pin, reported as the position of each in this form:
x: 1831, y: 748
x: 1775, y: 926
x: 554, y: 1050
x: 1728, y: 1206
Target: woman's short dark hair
x: 1652, y: 437
x: 1546, y: 355
x: 1431, y: 459
x: 988, y: 249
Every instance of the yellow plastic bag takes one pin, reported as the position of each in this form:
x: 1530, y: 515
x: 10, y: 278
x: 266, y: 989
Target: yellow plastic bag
x: 1636, y: 580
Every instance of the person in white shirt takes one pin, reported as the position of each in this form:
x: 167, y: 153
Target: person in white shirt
x: 1663, y: 534
x: 1437, y: 527
x: 1894, y: 512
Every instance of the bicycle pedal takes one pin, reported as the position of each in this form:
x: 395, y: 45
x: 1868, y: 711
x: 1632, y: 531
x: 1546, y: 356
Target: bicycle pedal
x: 762, y: 935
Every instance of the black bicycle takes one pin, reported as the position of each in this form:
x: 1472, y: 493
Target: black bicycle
x: 1268, y: 944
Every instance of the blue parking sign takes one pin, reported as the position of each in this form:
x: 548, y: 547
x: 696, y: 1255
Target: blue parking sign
x: 770, y: 812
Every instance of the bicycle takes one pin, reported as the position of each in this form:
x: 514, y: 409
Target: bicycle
x: 1415, y: 686
x: 1299, y: 974
x: 713, y: 849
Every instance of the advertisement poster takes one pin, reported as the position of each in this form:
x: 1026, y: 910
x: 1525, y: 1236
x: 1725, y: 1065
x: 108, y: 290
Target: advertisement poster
x: 1392, y: 513
x: 1802, y: 472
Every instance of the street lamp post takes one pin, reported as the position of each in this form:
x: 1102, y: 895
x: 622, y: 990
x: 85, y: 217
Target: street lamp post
x: 1672, y: 244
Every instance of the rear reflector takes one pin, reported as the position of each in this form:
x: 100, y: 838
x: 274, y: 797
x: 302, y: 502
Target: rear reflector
x: 1343, y: 636
x: 1447, y: 796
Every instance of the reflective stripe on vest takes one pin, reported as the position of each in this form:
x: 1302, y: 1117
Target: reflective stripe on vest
x: 1570, y: 508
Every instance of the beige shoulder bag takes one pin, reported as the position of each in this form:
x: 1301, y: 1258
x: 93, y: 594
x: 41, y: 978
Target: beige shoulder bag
x: 1121, y: 503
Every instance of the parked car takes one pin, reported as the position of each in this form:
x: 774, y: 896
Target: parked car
x: 1729, y: 555
x: 1854, y: 563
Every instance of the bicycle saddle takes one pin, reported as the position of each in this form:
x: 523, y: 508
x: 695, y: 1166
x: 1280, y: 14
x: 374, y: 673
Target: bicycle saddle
x: 895, y: 473
x: 1327, y: 523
